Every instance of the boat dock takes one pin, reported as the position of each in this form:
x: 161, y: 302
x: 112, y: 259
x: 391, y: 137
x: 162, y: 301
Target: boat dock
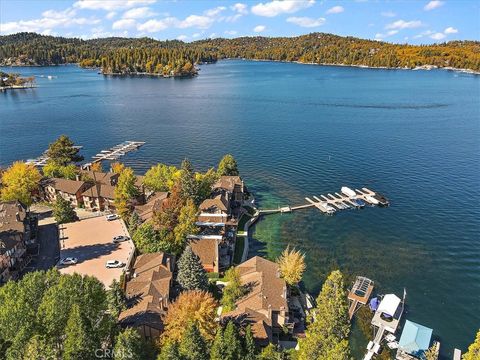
x: 359, y: 294
x: 117, y: 151
x: 331, y: 203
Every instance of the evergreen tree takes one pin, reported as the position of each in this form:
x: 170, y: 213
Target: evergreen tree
x: 128, y: 345
x: 116, y: 299
x: 270, y: 352
x: 193, y: 345
x: 228, y: 166
x: 233, y: 290
x: 189, y: 186
x: 249, y: 344
x: 134, y: 222
x: 217, y: 352
x: 63, y: 152
x: 329, y: 327
x: 233, y: 346
x: 78, y: 345
x: 191, y: 274
x: 63, y: 211
x: 170, y: 351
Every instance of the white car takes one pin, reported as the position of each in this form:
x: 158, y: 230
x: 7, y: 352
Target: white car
x: 112, y: 217
x: 112, y: 264
x: 68, y: 261
x: 120, y: 238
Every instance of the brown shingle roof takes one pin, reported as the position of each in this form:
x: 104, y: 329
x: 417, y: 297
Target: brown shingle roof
x: 206, y: 250
x: 106, y: 178
x: 65, y: 185
x: 149, y: 290
x: 218, y: 202
x: 11, y: 229
x: 228, y: 183
x: 100, y: 190
x: 153, y: 205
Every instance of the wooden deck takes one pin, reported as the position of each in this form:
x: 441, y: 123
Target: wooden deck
x: 359, y: 294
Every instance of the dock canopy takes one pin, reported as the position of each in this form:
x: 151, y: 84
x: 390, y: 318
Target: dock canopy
x: 415, y: 339
x: 389, y: 304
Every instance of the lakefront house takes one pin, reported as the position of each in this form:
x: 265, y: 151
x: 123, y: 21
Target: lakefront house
x: 70, y: 190
x: 17, y: 230
x: 148, y: 294
x: 266, y: 305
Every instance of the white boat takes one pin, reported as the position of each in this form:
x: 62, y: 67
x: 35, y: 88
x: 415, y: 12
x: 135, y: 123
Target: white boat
x: 348, y: 192
x: 371, y: 200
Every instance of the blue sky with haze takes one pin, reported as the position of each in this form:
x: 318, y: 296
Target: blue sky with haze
x: 411, y: 21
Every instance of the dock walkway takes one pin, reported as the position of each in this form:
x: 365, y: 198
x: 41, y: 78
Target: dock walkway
x: 329, y: 203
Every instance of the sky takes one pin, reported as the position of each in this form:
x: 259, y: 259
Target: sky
x: 408, y: 21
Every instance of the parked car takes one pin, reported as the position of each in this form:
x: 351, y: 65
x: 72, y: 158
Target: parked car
x: 68, y: 261
x: 111, y: 217
x: 111, y: 264
x: 120, y: 238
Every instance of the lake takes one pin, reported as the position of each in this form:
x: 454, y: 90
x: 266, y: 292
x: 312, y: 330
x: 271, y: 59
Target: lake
x: 302, y: 130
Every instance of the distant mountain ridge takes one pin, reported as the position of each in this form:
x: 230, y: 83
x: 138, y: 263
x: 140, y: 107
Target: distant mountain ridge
x: 176, y: 58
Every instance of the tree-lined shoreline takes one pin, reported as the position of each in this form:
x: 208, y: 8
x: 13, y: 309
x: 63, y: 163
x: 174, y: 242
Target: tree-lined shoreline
x: 146, y: 56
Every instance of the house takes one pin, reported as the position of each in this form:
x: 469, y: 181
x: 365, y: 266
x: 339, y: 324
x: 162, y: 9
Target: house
x: 153, y: 204
x: 232, y: 186
x: 148, y: 294
x: 266, y: 304
x: 70, y: 190
x: 207, y: 250
x: 216, y: 210
x: 99, y: 197
x: 17, y: 229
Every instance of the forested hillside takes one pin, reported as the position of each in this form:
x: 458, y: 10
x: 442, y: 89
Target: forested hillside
x: 176, y: 58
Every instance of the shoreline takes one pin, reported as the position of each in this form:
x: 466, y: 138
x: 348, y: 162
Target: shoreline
x: 426, y: 67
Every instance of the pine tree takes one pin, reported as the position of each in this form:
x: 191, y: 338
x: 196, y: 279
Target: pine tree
x: 228, y: 166
x: 63, y: 152
x: 78, y: 345
x: 249, y: 344
x: 191, y: 275
x: 233, y: 346
x: 170, y: 351
x: 193, y: 345
x: 329, y: 327
x: 116, y: 299
x: 217, y: 352
x: 189, y: 185
x: 128, y: 345
x: 63, y: 211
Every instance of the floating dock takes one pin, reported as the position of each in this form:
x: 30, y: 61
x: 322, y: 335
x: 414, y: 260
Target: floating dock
x: 331, y: 203
x: 117, y: 151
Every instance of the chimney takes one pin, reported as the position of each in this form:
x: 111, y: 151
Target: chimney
x: 168, y: 263
x: 269, y: 311
x: 77, y: 177
x: 17, y: 215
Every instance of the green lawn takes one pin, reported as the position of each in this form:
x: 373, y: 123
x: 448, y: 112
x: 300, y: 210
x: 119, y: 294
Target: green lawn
x: 239, y: 244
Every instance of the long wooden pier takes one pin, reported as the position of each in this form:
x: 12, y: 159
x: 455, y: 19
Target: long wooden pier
x: 330, y: 203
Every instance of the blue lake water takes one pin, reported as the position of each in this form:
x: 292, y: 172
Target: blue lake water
x: 296, y: 131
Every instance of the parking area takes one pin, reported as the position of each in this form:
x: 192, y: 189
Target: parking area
x: 90, y: 241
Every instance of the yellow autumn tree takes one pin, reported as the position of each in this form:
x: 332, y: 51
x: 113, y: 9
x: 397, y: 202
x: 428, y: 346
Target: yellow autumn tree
x: 292, y: 265
x: 19, y: 181
x: 195, y: 306
x: 473, y: 352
